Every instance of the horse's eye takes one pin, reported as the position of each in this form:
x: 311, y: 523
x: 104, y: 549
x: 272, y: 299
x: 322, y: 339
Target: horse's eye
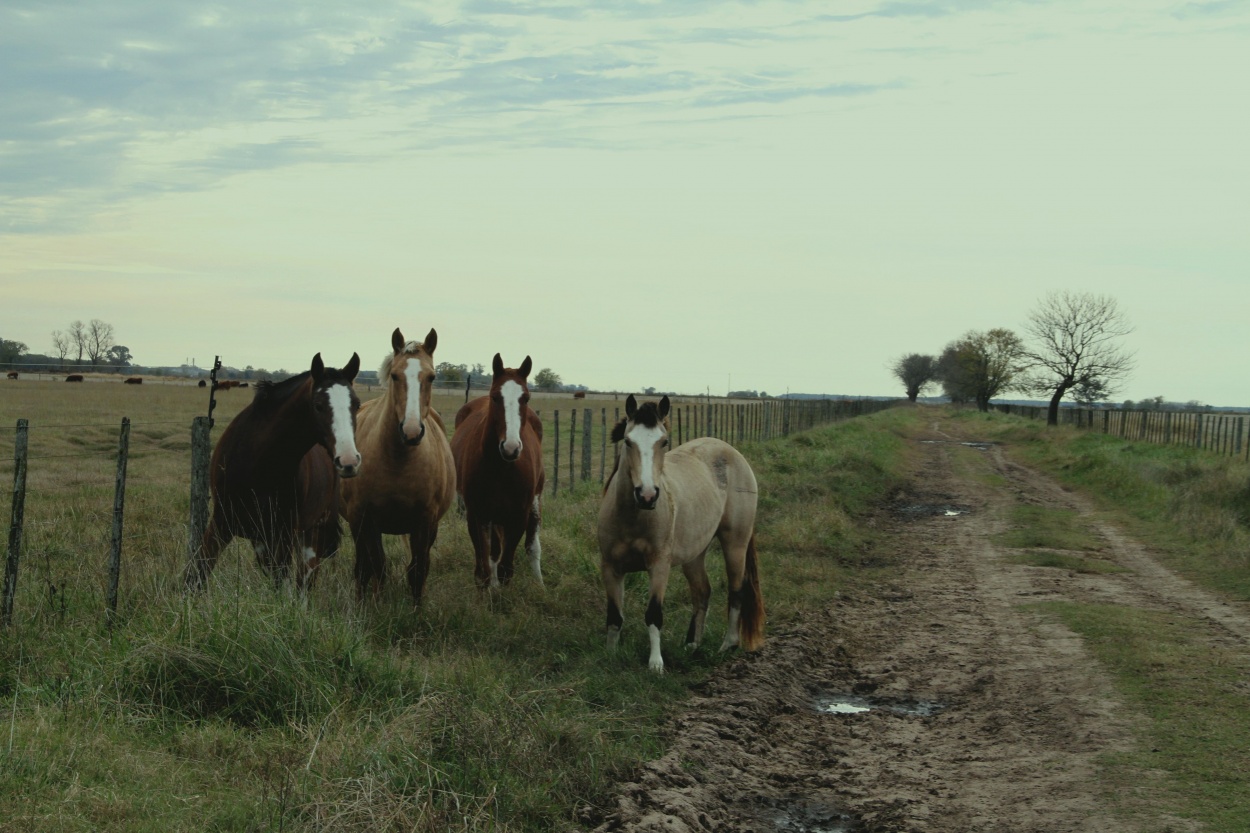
x: 394, y: 377
x: 664, y: 443
x: 629, y: 443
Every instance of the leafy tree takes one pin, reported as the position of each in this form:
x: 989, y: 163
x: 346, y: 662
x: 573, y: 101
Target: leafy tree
x: 979, y: 366
x: 119, y: 355
x: 916, y: 372
x: 1076, y: 338
x: 547, y: 379
x: 10, y: 349
x: 1090, y: 392
x: 448, y: 372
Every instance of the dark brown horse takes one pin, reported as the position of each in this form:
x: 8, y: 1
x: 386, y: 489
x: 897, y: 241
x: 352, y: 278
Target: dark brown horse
x: 411, y: 478
x: 275, y: 473
x: 499, y: 474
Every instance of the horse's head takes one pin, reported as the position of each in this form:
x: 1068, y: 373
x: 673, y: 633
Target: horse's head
x: 509, y: 405
x: 408, y: 374
x: 334, y: 404
x: 644, y: 432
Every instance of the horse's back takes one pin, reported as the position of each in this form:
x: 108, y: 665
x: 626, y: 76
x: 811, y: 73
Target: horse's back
x: 711, y: 473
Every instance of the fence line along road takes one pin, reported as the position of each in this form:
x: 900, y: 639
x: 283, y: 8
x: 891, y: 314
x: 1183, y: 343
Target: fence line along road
x: 1227, y: 434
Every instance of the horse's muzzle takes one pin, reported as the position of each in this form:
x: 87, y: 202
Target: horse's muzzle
x: 642, y: 502
x: 511, y: 458
x: 347, y: 470
x: 413, y: 440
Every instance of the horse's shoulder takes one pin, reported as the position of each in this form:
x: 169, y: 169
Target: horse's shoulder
x: 535, y: 423
x: 468, y: 409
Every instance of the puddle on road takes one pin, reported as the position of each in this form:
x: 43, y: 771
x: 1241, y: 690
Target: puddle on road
x: 920, y: 510
x: 798, y: 815
x: 853, y: 704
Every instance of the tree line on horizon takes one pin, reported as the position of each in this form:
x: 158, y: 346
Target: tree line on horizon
x: 1073, y: 349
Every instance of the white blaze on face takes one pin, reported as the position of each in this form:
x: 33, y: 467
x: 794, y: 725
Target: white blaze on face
x: 511, y: 393
x: 412, y: 407
x: 645, y: 440
x: 345, y: 453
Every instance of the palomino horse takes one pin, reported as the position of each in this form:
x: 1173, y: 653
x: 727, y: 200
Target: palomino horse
x: 275, y: 473
x: 499, y: 467
x: 661, y: 510
x: 411, y: 479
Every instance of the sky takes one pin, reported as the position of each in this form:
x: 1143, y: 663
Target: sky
x: 693, y: 196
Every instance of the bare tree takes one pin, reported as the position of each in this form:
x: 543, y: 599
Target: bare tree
x: 62, y: 344
x: 99, y: 340
x: 78, y: 338
x: 916, y: 372
x: 980, y: 366
x: 1076, y: 335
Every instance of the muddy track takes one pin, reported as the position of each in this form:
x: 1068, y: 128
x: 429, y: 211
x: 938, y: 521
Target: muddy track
x: 940, y: 704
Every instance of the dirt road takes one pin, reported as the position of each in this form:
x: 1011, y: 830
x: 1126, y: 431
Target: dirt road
x: 941, y: 705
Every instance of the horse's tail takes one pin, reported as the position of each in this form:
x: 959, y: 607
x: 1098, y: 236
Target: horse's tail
x: 751, y: 614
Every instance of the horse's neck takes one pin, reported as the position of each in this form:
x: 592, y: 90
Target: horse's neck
x: 289, y: 436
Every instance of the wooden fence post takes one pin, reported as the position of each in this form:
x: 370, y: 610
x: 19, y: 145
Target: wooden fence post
x: 119, y: 508
x: 572, y: 440
x: 603, y: 446
x: 555, y: 466
x: 201, y: 455
x: 587, y: 425
x: 16, y: 520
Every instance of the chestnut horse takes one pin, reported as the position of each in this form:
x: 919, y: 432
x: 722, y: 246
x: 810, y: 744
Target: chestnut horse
x: 411, y: 479
x: 275, y: 473
x: 661, y: 510
x: 499, y: 474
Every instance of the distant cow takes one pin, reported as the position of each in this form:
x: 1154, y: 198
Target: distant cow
x: 134, y: 380
x: 74, y: 377
x: 12, y: 374
x: 581, y: 394
x: 227, y: 384
x: 203, y: 384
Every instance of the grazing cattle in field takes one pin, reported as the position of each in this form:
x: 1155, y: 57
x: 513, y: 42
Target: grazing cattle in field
x: 12, y: 374
x: 581, y: 394
x: 74, y: 377
x: 134, y: 380
x: 202, y: 384
x: 227, y: 384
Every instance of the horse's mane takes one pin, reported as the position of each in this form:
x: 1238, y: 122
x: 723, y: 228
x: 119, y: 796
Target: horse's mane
x: 271, y: 394
x: 384, y: 372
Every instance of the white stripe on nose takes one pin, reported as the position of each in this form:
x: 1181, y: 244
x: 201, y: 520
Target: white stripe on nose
x: 345, y: 453
x: 511, y: 445
x: 412, y: 407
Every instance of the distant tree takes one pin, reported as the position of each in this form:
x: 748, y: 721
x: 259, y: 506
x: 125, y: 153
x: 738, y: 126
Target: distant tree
x: 916, y: 372
x: 1075, y: 335
x: 99, y: 340
x: 10, y: 349
x: 78, y: 339
x: 547, y: 379
x: 61, y: 345
x: 1090, y: 392
x: 119, y: 355
x: 479, y: 370
x: 979, y: 366
x: 448, y: 372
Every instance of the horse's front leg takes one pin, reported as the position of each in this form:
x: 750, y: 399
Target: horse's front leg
x: 614, y: 588
x: 658, y: 573
x: 533, y: 546
x: 481, y: 535
x: 419, y: 545
x: 370, y: 565
x: 215, y: 539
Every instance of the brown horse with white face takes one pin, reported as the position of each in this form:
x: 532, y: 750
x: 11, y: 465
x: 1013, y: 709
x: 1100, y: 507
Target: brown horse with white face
x: 275, y: 473
x: 499, y: 467
x: 411, y: 479
x: 662, y: 509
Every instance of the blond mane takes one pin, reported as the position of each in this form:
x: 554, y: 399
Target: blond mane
x: 412, y: 348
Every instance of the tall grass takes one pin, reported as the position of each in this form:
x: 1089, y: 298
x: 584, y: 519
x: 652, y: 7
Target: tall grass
x: 247, y: 709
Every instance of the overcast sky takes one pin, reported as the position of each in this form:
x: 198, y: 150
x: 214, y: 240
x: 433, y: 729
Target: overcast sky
x: 763, y: 195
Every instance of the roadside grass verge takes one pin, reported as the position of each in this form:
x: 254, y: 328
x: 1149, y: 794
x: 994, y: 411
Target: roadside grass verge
x: 1194, y: 696
x: 246, y: 709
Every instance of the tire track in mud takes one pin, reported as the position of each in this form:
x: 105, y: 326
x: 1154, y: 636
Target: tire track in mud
x: 982, y: 716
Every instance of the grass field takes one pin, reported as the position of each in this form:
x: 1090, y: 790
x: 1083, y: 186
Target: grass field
x: 244, y: 709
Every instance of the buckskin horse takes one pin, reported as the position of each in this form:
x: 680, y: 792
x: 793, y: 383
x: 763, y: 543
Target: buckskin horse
x: 661, y: 510
x: 275, y: 473
x: 497, y: 446
x: 411, y: 479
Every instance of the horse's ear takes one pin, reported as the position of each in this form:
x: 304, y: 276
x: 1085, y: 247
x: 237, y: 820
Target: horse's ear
x: 353, y: 367
x: 631, y: 406
x: 664, y: 407
x: 397, y: 341
x: 496, y: 366
x: 431, y: 341
x: 618, y: 431
x: 318, y: 368
x: 525, y: 367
